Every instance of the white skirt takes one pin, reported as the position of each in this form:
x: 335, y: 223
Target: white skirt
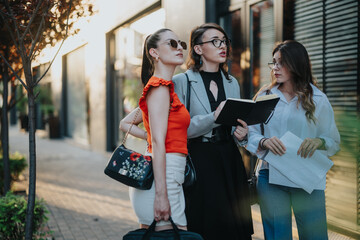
x: 143, y: 200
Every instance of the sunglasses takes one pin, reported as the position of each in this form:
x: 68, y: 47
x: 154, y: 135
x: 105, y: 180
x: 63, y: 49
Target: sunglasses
x: 173, y: 43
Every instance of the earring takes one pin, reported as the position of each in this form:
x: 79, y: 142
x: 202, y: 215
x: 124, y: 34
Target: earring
x: 200, y: 61
x: 157, y: 58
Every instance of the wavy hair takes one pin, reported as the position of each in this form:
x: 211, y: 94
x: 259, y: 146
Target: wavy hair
x: 296, y: 59
x: 196, y: 35
x: 147, y: 67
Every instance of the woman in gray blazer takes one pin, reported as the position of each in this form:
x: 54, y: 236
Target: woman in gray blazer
x: 217, y: 206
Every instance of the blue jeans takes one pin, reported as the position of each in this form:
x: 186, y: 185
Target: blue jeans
x: 275, y: 205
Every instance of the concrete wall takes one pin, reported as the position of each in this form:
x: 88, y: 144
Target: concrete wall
x: 182, y: 18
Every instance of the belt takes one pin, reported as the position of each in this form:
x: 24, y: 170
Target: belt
x: 220, y: 134
x: 201, y: 139
x: 213, y: 139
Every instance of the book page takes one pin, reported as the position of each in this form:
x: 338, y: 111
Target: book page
x: 267, y: 97
x: 241, y: 100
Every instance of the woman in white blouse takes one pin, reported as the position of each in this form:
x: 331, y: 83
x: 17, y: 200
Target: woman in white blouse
x: 306, y: 112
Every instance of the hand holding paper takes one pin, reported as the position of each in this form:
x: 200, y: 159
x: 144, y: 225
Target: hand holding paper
x: 307, y: 173
x: 274, y: 145
x: 309, y: 146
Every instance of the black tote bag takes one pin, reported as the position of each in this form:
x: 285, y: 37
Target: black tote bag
x: 170, y: 234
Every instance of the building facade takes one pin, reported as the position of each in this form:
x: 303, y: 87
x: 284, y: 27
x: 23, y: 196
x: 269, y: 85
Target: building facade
x: 96, y: 81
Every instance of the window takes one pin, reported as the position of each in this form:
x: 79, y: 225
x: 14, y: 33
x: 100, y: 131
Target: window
x: 124, y: 86
x: 129, y: 41
x: 262, y: 39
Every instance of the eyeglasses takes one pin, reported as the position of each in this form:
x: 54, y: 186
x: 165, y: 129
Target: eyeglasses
x: 217, y: 42
x: 173, y: 43
x: 273, y: 64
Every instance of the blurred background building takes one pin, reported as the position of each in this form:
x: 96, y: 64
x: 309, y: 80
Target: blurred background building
x: 95, y: 81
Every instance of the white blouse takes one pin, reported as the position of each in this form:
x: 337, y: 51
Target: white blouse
x: 290, y: 116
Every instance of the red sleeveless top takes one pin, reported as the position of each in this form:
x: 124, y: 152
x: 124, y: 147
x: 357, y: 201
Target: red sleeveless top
x: 178, y: 121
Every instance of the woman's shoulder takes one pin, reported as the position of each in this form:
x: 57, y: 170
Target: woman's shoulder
x: 178, y: 79
x: 317, y: 91
x: 182, y: 76
x: 155, y: 82
x: 318, y: 96
x: 230, y: 79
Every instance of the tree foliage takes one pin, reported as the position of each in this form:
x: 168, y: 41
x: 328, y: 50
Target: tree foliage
x: 30, y: 26
x: 39, y: 23
x: 27, y: 27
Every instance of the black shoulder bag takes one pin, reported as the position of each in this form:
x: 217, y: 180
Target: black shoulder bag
x: 190, y: 173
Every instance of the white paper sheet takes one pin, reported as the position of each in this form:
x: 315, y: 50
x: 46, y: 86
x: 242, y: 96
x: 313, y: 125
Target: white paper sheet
x: 307, y: 173
x: 276, y: 177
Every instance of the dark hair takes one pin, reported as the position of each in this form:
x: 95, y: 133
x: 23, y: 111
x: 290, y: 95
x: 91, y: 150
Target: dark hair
x: 296, y: 59
x: 196, y: 35
x: 147, y: 68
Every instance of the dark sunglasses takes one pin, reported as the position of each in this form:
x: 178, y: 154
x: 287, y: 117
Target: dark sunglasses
x: 174, y: 44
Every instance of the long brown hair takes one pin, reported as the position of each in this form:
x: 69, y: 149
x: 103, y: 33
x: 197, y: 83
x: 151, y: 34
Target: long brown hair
x: 296, y: 59
x: 196, y: 35
x: 147, y: 67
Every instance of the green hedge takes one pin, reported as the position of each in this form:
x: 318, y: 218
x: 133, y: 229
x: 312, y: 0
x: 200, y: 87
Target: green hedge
x: 17, y: 165
x: 13, y: 214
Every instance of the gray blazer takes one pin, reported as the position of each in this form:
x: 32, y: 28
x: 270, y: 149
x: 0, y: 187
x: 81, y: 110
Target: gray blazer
x: 202, y: 119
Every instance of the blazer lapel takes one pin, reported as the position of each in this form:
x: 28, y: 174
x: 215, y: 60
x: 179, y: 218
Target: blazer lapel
x: 198, y: 87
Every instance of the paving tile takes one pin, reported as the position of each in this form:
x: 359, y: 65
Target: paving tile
x: 83, y: 203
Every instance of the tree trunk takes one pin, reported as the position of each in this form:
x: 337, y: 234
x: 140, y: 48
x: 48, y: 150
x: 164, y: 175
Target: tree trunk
x: 32, y: 151
x: 5, y: 126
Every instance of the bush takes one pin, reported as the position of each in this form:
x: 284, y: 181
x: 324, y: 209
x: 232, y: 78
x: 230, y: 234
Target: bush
x: 17, y: 163
x: 13, y: 214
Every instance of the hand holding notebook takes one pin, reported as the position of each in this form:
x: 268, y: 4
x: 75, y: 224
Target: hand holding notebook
x: 252, y: 112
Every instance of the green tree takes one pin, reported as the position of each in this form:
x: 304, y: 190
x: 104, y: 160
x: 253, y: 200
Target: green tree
x: 31, y: 26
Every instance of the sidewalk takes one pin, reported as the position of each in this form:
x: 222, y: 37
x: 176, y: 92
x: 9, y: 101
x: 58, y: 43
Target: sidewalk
x: 83, y: 203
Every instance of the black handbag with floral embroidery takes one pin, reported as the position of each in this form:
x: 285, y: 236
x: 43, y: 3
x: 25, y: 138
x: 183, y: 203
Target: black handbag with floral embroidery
x: 129, y: 167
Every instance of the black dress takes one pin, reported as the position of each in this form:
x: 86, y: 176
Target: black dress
x: 217, y: 206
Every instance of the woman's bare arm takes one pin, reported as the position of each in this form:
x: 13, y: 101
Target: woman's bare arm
x: 158, y: 102
x: 135, y: 131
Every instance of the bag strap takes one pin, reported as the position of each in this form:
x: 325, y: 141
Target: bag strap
x: 262, y: 124
x: 132, y: 123
x: 262, y: 133
x: 151, y: 230
x: 188, y: 92
x: 255, y: 167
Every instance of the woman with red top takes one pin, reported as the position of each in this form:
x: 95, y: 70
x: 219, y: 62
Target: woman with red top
x: 166, y: 121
